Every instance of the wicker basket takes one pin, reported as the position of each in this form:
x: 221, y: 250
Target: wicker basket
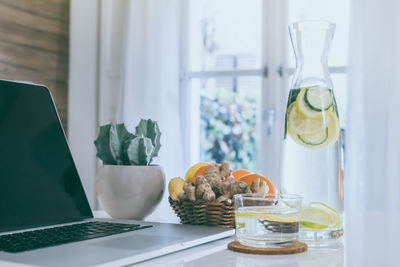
x: 204, y: 213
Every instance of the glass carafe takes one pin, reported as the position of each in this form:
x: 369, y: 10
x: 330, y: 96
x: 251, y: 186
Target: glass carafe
x: 312, y: 152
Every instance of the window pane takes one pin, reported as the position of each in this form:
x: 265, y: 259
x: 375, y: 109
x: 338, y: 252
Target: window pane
x: 224, y: 34
x: 336, y: 11
x: 228, y: 119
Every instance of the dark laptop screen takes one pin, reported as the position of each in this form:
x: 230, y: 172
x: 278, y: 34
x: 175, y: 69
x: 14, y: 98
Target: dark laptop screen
x: 39, y: 184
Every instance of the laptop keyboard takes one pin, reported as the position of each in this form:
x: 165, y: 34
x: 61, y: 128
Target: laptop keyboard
x: 31, y: 240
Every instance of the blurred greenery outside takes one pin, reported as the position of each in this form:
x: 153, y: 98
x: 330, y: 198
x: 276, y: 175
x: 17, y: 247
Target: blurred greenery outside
x: 228, y: 127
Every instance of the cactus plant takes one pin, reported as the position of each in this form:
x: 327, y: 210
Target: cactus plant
x: 149, y: 129
x: 117, y: 146
x: 140, y: 151
x: 110, y: 141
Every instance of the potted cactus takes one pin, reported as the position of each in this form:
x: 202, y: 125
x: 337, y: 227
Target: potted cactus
x: 127, y: 185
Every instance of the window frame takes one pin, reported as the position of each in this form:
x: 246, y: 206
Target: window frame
x: 274, y: 73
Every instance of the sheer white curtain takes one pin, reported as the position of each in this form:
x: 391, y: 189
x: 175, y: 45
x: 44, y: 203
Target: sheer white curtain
x: 151, y: 81
x: 140, y: 77
x: 372, y: 197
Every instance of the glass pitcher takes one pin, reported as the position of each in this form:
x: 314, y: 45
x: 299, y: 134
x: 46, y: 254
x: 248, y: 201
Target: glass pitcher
x: 312, y: 152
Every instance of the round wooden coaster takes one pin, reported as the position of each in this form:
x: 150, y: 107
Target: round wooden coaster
x: 297, y: 247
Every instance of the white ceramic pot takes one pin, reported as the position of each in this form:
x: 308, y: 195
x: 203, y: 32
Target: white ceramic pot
x: 129, y: 192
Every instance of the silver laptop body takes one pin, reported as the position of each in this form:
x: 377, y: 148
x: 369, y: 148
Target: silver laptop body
x: 40, y: 188
x: 120, y: 250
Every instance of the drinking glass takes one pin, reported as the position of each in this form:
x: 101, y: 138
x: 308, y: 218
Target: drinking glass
x: 267, y: 220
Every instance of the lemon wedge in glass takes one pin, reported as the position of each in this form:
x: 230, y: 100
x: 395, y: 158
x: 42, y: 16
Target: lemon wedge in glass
x: 319, y: 216
x: 263, y: 214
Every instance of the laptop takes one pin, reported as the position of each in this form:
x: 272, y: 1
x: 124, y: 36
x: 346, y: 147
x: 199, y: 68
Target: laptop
x: 45, y: 217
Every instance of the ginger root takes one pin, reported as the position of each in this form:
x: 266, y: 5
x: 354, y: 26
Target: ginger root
x: 201, y: 191
x: 216, y: 185
x: 217, y: 172
x: 189, y: 192
x: 219, y: 188
x: 209, y: 195
x: 212, y: 173
x: 232, y: 188
x: 216, y: 175
x: 258, y: 186
x: 225, y: 170
x: 204, y: 190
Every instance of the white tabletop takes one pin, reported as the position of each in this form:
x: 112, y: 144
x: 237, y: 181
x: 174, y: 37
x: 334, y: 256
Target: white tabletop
x: 372, y: 238
x: 216, y: 254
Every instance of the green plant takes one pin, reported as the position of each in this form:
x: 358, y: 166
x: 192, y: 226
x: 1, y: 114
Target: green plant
x: 117, y: 146
x: 228, y: 128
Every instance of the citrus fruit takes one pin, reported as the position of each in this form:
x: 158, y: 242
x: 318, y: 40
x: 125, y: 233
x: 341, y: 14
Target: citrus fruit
x: 300, y: 124
x: 304, y: 109
x: 200, y: 171
x: 319, y: 216
x: 192, y: 170
x: 313, y: 133
x: 323, y: 138
x: 269, y: 217
x: 333, y: 127
x: 280, y: 215
x: 240, y: 173
x: 175, y: 186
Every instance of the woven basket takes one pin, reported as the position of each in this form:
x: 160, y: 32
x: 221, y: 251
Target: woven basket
x: 204, y: 213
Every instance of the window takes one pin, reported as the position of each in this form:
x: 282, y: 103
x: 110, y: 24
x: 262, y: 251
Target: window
x: 237, y: 62
x: 223, y: 77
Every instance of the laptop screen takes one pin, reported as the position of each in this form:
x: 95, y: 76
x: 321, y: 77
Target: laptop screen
x: 39, y: 184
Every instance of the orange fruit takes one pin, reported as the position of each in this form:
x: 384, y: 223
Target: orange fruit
x: 199, y: 172
x: 192, y: 170
x: 240, y: 173
x: 248, y: 179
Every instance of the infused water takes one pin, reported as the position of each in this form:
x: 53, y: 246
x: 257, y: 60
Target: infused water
x: 267, y: 226
x: 311, y: 163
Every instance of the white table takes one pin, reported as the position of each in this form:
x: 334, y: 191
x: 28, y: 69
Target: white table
x: 216, y: 254
x: 372, y: 239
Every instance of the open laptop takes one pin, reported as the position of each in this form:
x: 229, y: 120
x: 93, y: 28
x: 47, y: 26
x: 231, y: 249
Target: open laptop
x: 45, y: 218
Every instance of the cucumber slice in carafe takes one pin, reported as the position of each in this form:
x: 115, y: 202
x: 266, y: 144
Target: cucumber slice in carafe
x: 315, y: 139
x: 318, y: 98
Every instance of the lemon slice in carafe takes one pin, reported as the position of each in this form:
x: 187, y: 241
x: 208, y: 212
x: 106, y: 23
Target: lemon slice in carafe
x: 311, y: 128
x: 300, y: 124
x: 304, y: 109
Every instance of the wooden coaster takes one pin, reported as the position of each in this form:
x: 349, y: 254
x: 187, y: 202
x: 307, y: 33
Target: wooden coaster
x: 297, y: 247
